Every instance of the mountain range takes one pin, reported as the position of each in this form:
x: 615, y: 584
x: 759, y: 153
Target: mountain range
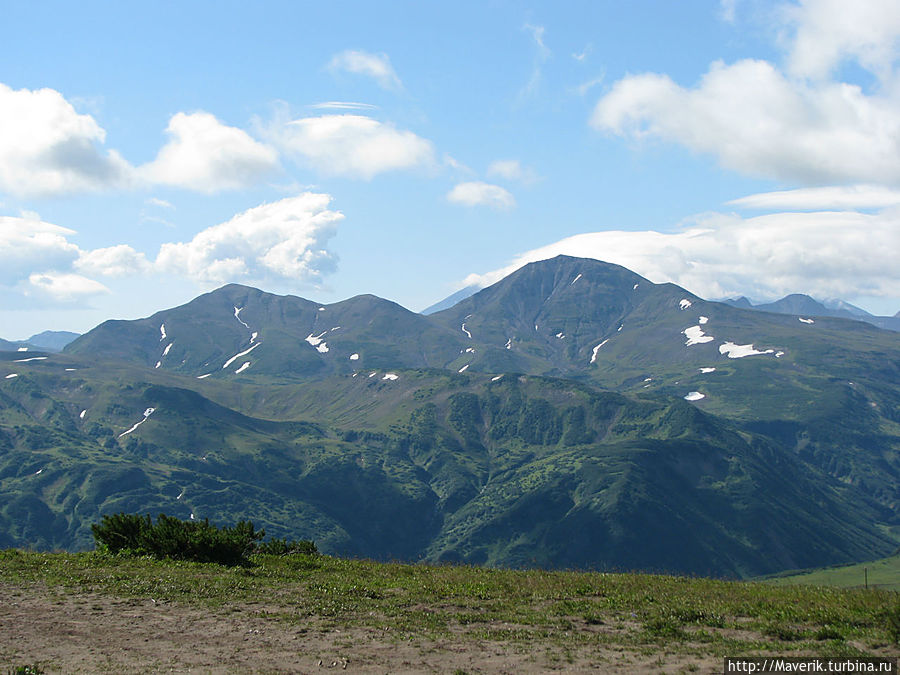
x: 574, y: 414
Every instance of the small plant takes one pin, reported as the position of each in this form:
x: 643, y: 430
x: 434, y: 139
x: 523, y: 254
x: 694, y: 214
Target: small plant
x: 892, y: 622
x: 32, y: 669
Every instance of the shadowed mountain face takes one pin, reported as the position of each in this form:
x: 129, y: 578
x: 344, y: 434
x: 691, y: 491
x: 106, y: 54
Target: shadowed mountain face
x: 572, y: 415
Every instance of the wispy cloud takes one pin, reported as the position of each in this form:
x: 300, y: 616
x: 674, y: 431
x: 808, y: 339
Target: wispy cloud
x: 542, y: 53
x: 376, y: 66
x: 342, y: 105
x: 841, y: 197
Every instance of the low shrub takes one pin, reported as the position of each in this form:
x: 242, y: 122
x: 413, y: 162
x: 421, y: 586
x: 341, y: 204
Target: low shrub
x: 174, y: 538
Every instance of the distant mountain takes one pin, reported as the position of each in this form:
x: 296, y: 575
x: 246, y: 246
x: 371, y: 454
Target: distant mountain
x: 48, y: 341
x: 572, y: 415
x: 52, y: 340
x: 799, y: 304
x: 451, y: 300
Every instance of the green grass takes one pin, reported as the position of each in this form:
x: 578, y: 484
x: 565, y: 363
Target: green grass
x: 882, y: 574
x: 564, y: 609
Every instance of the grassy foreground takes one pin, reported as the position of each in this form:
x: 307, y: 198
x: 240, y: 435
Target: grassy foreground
x: 568, y: 613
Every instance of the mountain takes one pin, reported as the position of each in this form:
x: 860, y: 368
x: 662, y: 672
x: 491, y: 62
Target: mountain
x: 798, y: 304
x: 52, y: 340
x: 572, y: 415
x: 451, y: 300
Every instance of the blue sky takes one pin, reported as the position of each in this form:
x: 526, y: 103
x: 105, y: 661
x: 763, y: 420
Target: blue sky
x: 151, y: 153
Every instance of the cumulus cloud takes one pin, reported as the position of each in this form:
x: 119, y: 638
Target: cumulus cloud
x: 351, y: 145
x: 285, y: 240
x: 27, y: 244
x: 841, y: 197
x: 47, y: 148
x: 477, y: 193
x: 113, y: 261
x: 827, y: 32
x: 376, y: 66
x: 824, y: 254
x: 755, y: 120
x: 205, y: 155
x: 49, y: 288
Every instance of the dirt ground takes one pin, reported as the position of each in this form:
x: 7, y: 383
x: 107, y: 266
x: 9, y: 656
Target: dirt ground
x: 99, y: 634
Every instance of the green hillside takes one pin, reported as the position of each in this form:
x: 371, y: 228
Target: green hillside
x: 881, y: 574
x: 572, y: 415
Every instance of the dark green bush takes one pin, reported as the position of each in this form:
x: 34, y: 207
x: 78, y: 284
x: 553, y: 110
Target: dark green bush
x: 193, y: 540
x: 171, y: 537
x: 284, y: 547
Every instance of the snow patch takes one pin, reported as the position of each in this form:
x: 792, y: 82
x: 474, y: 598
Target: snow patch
x: 317, y: 342
x: 648, y: 379
x: 707, y: 370
x: 373, y: 374
x: 147, y: 413
x: 321, y: 309
x: 162, y: 332
x: 597, y: 349
x: 168, y: 347
x: 634, y: 288
x: 244, y: 367
x: 11, y: 376
x: 734, y: 351
x: 619, y: 329
x: 561, y: 336
x: 694, y: 396
x: 703, y: 319
x: 253, y: 336
x: 696, y: 336
x: 354, y: 357
x: 466, y: 331
x: 470, y: 350
x: 509, y: 343
x: 237, y: 315
x: 335, y: 328
x: 806, y: 321
x: 494, y: 379
x: 158, y: 364
x: 70, y: 370
x: 38, y: 472
x: 463, y: 369
x: 240, y: 354
x: 181, y: 494
x: 22, y: 349
x: 390, y: 376
x: 685, y: 303
x: 201, y: 377
x: 778, y: 355
x: 575, y: 279
x: 33, y: 358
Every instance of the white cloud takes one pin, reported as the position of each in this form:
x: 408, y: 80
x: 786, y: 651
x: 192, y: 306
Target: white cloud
x: 511, y: 169
x: 825, y: 254
x: 827, y: 32
x: 205, y: 155
x: 376, y: 66
x: 47, y: 148
x: 28, y: 244
x: 352, y: 145
x: 284, y: 240
x: 114, y: 261
x: 343, y: 105
x: 477, y: 193
x: 755, y: 120
x: 832, y: 197
x: 161, y: 203
x: 51, y: 288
